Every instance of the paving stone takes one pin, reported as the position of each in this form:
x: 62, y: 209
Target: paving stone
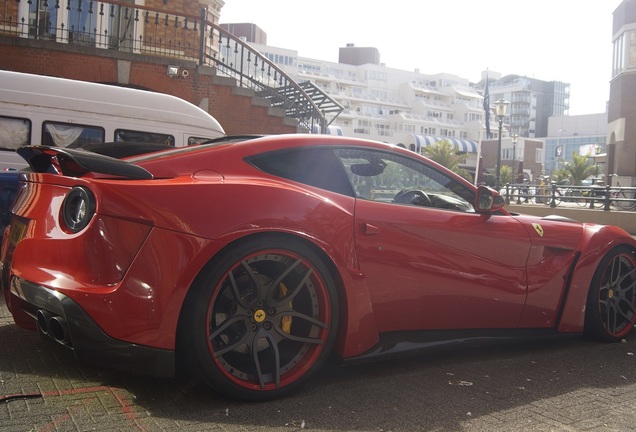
x: 567, y: 384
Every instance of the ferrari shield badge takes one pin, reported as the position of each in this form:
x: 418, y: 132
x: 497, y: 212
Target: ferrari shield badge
x: 538, y: 228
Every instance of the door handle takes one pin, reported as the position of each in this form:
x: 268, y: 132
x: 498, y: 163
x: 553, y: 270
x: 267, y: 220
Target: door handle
x: 369, y: 229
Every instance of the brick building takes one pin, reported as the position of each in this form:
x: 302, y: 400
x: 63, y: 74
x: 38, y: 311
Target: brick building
x: 135, y: 46
x: 621, y: 133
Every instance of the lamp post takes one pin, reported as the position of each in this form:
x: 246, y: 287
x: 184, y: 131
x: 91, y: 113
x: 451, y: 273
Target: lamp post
x: 501, y: 106
x: 559, y: 149
x: 514, y: 156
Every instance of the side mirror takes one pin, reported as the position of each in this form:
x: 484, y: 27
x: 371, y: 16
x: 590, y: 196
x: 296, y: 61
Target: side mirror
x: 488, y: 200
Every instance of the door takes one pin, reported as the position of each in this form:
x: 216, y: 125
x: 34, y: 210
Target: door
x: 430, y: 261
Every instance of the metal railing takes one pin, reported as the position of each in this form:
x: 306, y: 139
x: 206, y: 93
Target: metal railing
x: 599, y: 197
x: 113, y: 25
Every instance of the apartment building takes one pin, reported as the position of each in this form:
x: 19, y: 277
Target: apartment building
x: 414, y: 110
x: 582, y: 134
x: 406, y: 108
x: 532, y: 101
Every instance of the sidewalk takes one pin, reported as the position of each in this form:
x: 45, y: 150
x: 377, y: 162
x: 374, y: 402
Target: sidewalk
x: 567, y: 384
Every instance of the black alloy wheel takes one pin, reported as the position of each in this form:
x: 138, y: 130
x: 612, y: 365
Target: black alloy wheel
x: 261, y: 320
x: 611, y: 304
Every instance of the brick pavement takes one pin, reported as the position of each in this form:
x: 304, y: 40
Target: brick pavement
x: 557, y: 385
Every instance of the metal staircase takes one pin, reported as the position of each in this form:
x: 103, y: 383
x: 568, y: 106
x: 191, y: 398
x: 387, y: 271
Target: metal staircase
x: 305, y: 101
x: 148, y: 31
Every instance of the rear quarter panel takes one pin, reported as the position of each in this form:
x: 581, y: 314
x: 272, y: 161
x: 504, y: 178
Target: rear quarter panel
x: 193, y: 220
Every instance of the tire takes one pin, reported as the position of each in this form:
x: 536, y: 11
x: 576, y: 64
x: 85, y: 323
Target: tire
x: 577, y: 197
x: 259, y: 320
x: 523, y: 195
x: 548, y: 199
x: 610, y: 313
x: 531, y: 195
x: 514, y: 196
x: 626, y: 205
x: 543, y: 195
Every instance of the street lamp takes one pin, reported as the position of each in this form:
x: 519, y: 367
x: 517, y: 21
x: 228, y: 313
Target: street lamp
x: 514, y: 156
x: 501, y: 106
x: 559, y: 150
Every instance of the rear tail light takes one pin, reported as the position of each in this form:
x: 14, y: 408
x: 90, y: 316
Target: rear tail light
x: 78, y: 208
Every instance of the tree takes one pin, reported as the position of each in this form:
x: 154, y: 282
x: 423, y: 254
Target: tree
x: 505, y: 175
x: 445, y: 154
x: 561, y: 176
x: 580, y: 168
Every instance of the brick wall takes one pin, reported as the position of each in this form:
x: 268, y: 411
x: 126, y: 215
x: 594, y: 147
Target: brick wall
x: 237, y: 111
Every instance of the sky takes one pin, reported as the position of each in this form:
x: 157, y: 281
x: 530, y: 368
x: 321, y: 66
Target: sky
x: 550, y: 40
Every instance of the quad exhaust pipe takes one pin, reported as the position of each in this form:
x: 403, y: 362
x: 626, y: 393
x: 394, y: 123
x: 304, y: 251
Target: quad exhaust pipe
x: 53, y: 326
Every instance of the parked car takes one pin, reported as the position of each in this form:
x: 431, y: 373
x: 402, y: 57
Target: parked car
x: 8, y: 189
x: 593, y: 181
x: 245, y: 265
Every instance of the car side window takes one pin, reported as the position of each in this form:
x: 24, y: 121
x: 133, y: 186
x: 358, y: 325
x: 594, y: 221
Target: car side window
x: 316, y: 166
x: 66, y: 134
x: 145, y: 137
x: 14, y: 132
x: 392, y: 178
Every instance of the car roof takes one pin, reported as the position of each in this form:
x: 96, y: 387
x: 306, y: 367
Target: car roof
x: 254, y: 144
x: 166, y: 163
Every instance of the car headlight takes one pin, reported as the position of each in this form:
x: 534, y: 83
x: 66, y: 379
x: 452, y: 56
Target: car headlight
x: 78, y: 208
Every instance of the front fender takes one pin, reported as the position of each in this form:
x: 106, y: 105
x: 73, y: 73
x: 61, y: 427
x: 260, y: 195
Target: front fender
x: 596, y: 242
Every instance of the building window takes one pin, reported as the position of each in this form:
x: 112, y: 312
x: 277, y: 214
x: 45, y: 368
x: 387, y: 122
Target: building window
x: 632, y: 49
x: 619, y: 56
x: 383, y: 129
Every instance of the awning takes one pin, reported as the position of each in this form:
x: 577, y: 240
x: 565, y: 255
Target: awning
x: 465, y: 146
x: 468, y: 93
x: 331, y: 130
x: 428, y: 90
x: 334, y: 130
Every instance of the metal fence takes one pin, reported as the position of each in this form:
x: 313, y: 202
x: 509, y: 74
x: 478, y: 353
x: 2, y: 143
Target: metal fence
x: 599, y: 197
x: 112, y: 25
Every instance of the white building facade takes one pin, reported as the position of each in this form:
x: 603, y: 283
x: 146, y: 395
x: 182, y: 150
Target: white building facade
x: 414, y: 110
x: 391, y: 105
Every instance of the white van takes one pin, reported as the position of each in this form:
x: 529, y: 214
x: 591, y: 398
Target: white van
x: 37, y: 109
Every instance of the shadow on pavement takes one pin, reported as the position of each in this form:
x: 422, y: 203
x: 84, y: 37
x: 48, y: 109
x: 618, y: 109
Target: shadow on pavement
x: 566, y: 383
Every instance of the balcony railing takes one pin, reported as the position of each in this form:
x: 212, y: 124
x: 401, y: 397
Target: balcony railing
x: 112, y: 25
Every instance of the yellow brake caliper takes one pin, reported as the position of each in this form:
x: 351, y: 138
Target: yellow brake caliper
x: 286, y: 321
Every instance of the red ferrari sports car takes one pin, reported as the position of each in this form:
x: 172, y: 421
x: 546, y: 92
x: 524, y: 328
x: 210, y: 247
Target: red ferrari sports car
x: 247, y: 263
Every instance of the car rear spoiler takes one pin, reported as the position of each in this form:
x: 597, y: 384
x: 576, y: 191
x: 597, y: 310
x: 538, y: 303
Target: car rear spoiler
x: 76, y: 163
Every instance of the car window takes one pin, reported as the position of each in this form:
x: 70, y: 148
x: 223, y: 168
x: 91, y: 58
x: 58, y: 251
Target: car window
x: 392, y: 178
x: 140, y: 136
x: 14, y: 132
x: 65, y: 134
x: 316, y: 166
